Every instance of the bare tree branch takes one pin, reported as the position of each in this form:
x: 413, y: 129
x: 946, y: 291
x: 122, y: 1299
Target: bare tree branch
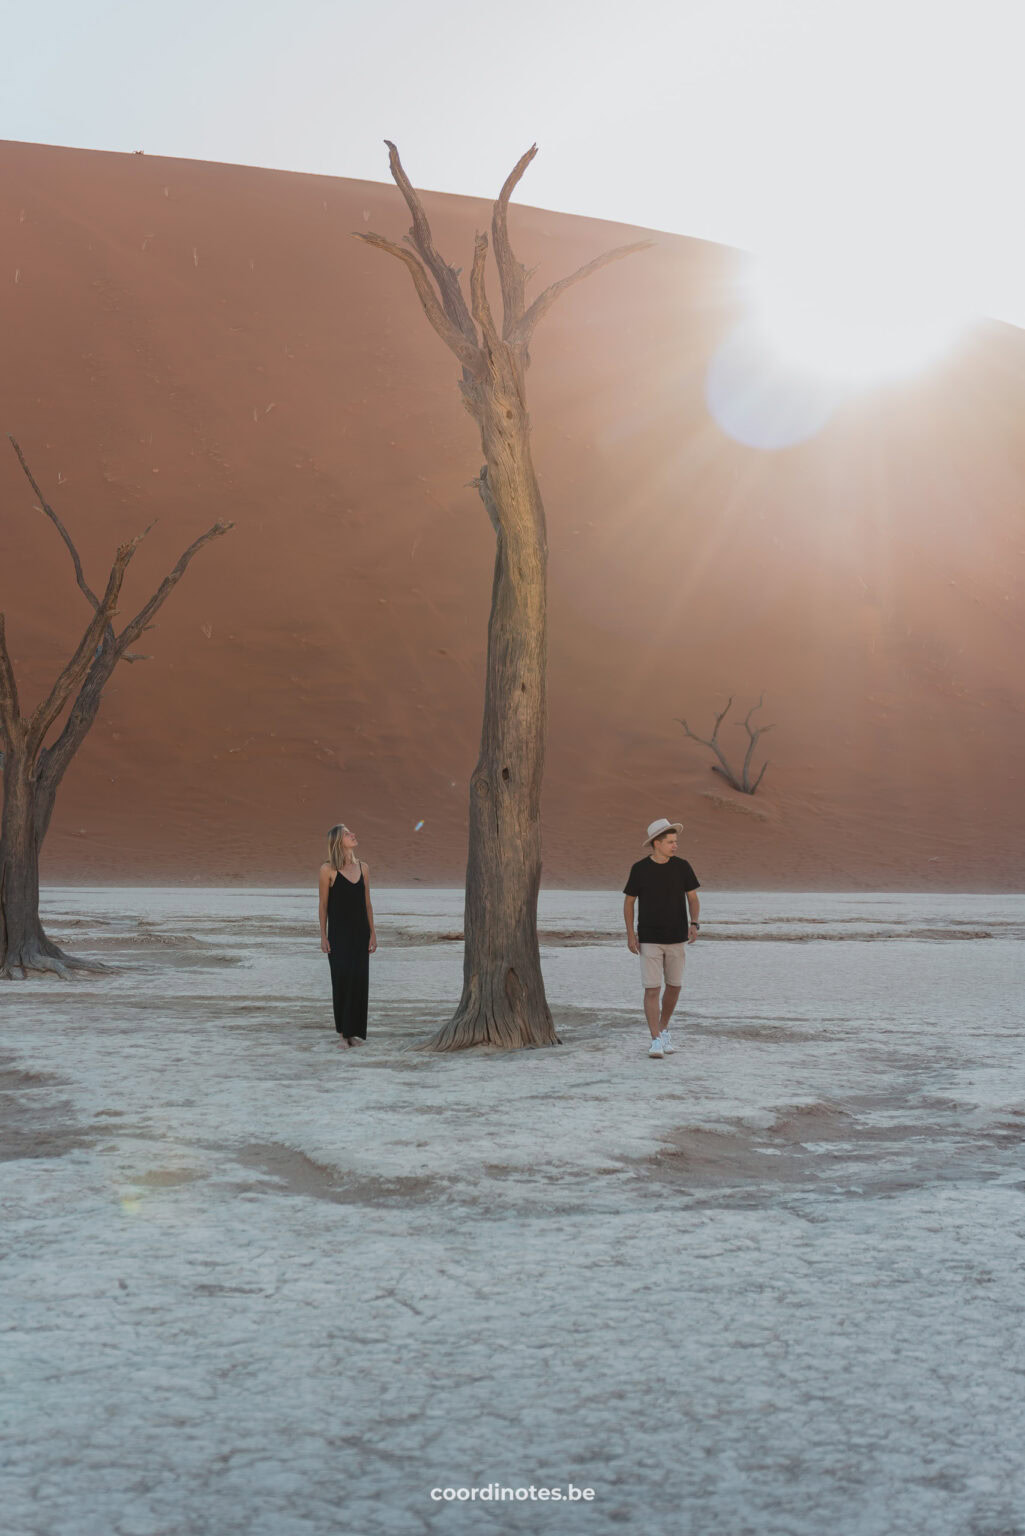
x: 55, y: 520
x: 134, y: 629
x: 743, y: 782
x: 709, y: 741
x: 446, y: 277
x: 467, y: 353
x: 754, y: 735
x: 512, y: 273
x: 722, y: 716
x: 713, y: 743
x: 521, y: 333
x: 69, y: 542
x: 55, y: 760
x: 72, y: 674
x: 478, y: 294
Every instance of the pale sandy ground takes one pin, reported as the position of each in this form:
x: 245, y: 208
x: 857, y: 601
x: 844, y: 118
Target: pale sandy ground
x: 770, y: 1285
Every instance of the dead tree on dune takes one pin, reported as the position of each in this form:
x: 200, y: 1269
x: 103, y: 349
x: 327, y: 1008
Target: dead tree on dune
x: 741, y: 782
x: 503, y: 1001
x: 33, y: 770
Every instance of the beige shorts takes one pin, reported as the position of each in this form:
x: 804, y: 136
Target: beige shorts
x: 662, y: 962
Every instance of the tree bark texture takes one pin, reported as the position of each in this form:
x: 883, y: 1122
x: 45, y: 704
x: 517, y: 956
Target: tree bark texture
x: 503, y: 1001
x: 23, y: 944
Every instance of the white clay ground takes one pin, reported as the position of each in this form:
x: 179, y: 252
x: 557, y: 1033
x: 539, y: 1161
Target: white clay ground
x: 772, y: 1286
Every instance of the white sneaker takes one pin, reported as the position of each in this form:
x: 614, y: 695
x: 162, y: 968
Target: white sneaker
x: 667, y: 1042
x: 655, y: 1049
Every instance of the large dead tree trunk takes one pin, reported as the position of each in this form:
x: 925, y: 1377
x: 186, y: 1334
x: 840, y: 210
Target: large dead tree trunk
x: 503, y: 1001
x: 33, y: 770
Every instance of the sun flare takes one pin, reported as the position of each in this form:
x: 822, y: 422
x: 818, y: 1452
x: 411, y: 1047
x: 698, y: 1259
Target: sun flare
x: 822, y: 325
x: 854, y: 321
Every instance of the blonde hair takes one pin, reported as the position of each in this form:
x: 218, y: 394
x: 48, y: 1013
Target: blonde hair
x: 336, y: 854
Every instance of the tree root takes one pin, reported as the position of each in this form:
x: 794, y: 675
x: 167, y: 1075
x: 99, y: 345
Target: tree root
x: 34, y: 959
x: 472, y: 1026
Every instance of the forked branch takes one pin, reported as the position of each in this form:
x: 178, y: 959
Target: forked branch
x: 741, y: 783
x: 74, y: 671
x: 141, y: 622
x: 446, y: 277
x: 100, y: 648
x: 752, y: 743
x: 445, y: 305
x: 467, y: 352
x: 45, y: 507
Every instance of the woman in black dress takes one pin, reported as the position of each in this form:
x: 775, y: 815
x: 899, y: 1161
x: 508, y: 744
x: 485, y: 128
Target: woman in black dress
x: 347, y: 934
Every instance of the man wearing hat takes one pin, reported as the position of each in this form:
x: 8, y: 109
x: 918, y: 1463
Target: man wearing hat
x: 667, y: 889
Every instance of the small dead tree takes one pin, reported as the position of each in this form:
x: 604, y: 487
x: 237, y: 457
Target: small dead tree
x: 33, y: 770
x: 503, y: 1001
x: 743, y: 783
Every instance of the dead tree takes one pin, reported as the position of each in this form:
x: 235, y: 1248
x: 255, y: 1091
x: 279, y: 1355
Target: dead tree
x: 743, y: 783
x: 503, y: 1001
x: 33, y: 769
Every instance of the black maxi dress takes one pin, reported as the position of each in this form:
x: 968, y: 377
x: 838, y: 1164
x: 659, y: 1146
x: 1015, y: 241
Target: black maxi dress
x: 348, y: 937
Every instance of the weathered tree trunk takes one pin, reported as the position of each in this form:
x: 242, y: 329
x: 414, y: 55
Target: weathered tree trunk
x: 21, y: 932
x: 503, y: 1001
x: 24, y: 945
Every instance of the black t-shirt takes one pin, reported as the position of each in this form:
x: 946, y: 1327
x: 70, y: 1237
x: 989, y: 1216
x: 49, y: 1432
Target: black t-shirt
x: 662, y: 891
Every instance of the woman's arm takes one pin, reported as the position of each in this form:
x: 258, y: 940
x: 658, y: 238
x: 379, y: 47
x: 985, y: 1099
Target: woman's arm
x: 325, y: 886
x: 370, y: 910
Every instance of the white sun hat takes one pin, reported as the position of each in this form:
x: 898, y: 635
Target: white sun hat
x: 658, y: 827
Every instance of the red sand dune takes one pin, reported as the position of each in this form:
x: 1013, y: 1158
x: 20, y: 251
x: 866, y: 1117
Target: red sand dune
x: 188, y: 341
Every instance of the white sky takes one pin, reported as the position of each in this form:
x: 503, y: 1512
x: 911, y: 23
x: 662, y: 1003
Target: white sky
x: 886, y: 127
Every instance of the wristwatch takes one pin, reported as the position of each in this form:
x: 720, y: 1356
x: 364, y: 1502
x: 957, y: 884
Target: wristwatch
x: 695, y: 925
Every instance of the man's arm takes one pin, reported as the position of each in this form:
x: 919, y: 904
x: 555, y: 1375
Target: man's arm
x: 694, y: 907
x: 628, y: 917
